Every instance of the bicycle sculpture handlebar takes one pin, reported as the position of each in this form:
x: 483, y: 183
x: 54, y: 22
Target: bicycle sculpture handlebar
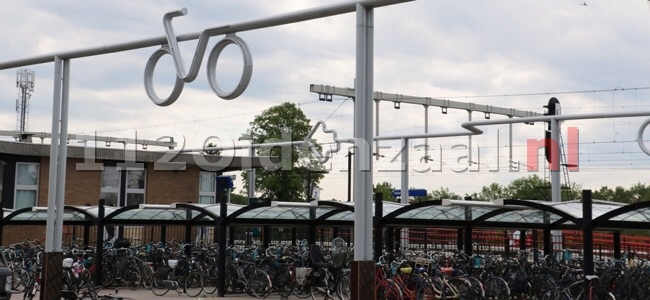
x: 182, y: 77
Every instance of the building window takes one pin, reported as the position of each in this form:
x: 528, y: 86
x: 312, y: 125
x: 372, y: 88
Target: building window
x: 26, y: 185
x: 135, y: 188
x: 111, y: 186
x: 206, y: 187
x: 123, y: 187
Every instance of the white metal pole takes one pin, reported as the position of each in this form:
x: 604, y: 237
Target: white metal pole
x: 556, y: 188
x: 251, y: 175
x: 363, y: 136
x: 469, y: 140
x: 404, y: 181
x: 54, y: 155
x: 426, y: 130
x: 555, y: 162
x: 510, y: 168
x: 63, y: 155
x: 404, y: 187
x: 376, y: 128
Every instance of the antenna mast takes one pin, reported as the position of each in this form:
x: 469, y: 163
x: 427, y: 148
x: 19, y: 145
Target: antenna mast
x: 25, y: 84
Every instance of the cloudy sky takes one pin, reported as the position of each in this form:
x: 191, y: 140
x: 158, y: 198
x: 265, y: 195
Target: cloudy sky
x: 593, y: 56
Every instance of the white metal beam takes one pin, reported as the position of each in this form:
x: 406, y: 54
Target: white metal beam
x: 96, y: 138
x: 381, y: 96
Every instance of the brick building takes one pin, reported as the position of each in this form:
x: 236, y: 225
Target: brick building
x: 122, y: 177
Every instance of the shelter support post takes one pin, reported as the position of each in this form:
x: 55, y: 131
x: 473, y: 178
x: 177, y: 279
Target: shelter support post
x: 99, y: 259
x: 311, y: 238
x: 548, y: 247
x: 163, y: 234
x: 188, y: 230
x: 223, y: 232
x: 86, y: 235
x: 587, y: 233
x: 506, y: 245
x: 522, y: 240
x: 426, y: 239
x: 377, y: 224
x: 215, y: 233
x: 266, y: 236
x: 335, y: 232
x: 293, y: 236
x: 468, y: 248
x: 389, y: 242
x: 534, y: 240
x: 459, y: 239
x: 617, y: 244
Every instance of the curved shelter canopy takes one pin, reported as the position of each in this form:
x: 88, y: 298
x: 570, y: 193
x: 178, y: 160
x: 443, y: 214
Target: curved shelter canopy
x: 501, y: 213
x: 73, y: 215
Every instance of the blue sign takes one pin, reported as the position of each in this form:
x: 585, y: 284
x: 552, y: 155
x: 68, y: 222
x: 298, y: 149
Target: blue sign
x: 412, y: 193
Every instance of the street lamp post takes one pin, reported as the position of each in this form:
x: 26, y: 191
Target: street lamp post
x: 349, y: 156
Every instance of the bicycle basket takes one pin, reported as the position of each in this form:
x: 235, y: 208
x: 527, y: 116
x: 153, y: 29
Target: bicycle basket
x: 172, y: 263
x: 339, y: 251
x: 121, y: 243
x: 302, y: 273
x: 338, y: 259
x: 67, y: 262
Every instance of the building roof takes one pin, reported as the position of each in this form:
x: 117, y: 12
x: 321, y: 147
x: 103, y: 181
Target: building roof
x: 215, y: 163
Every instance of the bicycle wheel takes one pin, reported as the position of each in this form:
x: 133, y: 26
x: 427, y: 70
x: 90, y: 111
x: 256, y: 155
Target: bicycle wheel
x: 233, y: 282
x: 597, y: 293
x: 554, y: 293
x: 541, y: 283
x: 461, y: 288
x: 108, y: 274
x: 147, y: 272
x: 32, y: 289
x: 496, y: 288
x: 477, y: 287
x: 210, y: 280
x: 160, y: 282
x: 193, y: 283
x: 260, y: 284
x: 283, y: 282
x: 388, y: 290
x: 344, y: 287
x: 304, y: 290
x: 19, y: 279
x: 132, y: 277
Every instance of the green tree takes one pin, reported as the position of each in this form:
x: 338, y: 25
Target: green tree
x: 535, y: 188
x: 491, y: 192
x: 211, y: 152
x: 238, y: 198
x: 636, y: 193
x: 532, y: 187
x: 604, y: 193
x: 443, y: 193
x: 285, y: 181
x: 386, y: 190
x: 639, y: 192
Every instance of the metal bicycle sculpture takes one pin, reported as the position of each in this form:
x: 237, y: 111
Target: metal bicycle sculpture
x: 181, y: 76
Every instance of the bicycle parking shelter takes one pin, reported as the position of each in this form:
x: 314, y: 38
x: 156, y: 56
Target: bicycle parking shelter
x: 465, y: 216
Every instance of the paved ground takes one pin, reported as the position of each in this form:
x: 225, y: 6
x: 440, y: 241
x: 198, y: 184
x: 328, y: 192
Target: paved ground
x: 144, y: 294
